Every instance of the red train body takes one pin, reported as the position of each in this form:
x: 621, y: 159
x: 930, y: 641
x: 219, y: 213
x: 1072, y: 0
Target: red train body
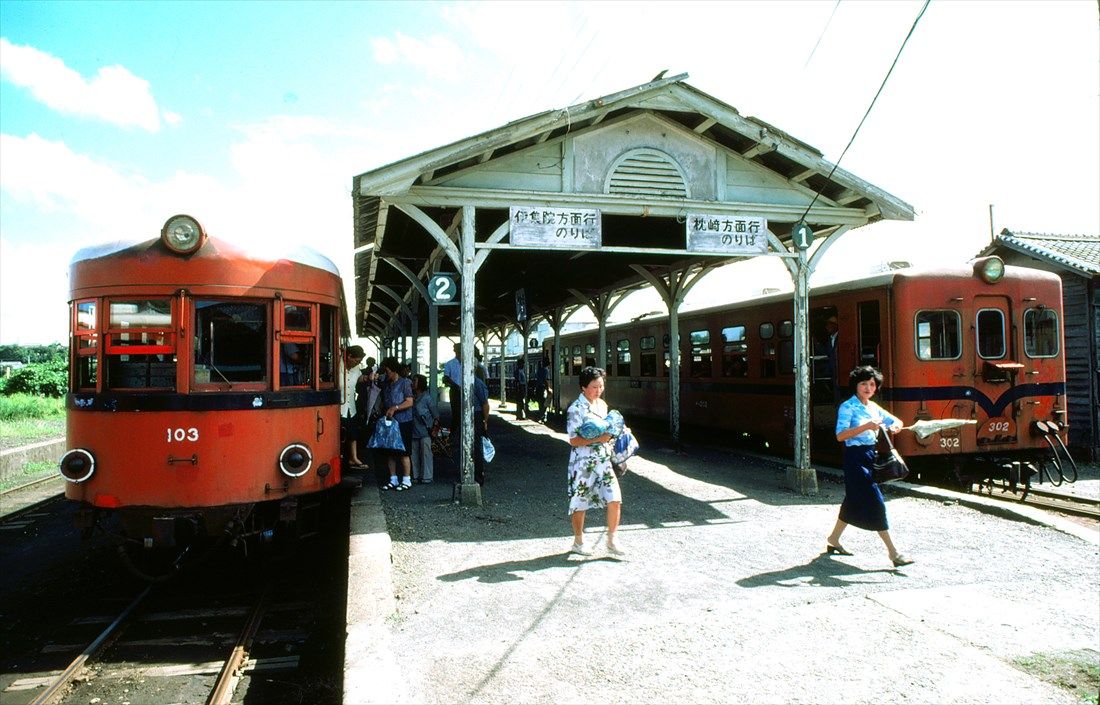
x: 204, y: 386
x: 949, y: 343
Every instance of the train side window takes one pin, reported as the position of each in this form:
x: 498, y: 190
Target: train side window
x: 991, y: 333
x: 578, y: 360
x: 767, y: 349
x: 327, y: 344
x: 609, y: 360
x: 701, y: 365
x: 938, y: 335
x: 623, y: 361
x: 786, y: 329
x: 231, y: 343
x: 1040, y: 332
x: 85, y: 346
x: 648, y: 356
x: 589, y: 356
x: 735, y: 358
x: 767, y: 330
x: 140, y: 344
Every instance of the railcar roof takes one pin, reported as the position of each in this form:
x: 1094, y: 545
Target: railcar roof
x: 300, y: 254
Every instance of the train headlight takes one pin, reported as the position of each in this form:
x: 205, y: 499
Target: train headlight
x: 77, y: 465
x: 182, y: 234
x: 295, y: 460
x: 990, y: 269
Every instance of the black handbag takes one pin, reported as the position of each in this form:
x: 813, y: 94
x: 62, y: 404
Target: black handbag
x: 619, y: 469
x: 888, y: 464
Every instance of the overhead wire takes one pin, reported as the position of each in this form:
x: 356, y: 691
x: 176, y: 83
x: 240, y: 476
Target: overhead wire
x: 822, y: 35
x: 817, y: 192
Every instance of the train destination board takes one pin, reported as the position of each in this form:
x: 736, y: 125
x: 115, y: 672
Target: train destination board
x: 727, y: 234
x: 566, y: 228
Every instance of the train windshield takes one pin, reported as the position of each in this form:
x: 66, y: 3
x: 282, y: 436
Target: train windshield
x: 938, y: 335
x: 141, y: 344
x: 230, y: 342
x: 1040, y: 332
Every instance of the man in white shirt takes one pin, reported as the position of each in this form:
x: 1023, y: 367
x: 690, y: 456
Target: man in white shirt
x: 452, y: 377
x: 348, y: 425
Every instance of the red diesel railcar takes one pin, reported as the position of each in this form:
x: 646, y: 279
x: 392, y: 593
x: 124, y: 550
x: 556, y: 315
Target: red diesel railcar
x: 980, y: 342
x: 204, y: 387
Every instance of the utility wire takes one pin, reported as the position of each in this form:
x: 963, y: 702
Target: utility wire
x: 872, y: 105
x: 822, y: 35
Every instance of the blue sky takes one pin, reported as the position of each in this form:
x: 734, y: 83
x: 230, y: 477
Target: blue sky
x: 254, y: 117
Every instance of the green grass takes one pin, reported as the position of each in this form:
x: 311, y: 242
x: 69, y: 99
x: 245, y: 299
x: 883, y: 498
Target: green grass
x: 18, y: 407
x: 1075, y: 671
x: 31, y: 472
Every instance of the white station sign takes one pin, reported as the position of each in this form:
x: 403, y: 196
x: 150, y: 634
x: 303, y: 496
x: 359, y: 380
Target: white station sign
x: 565, y: 228
x: 727, y: 234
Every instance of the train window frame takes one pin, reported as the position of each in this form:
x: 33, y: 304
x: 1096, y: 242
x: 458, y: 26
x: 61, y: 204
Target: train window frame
x: 622, y: 357
x: 699, y: 345
x: 917, y: 336
x: 303, y: 338
x: 148, y: 362
x: 766, y: 326
x: 978, y: 333
x: 328, y: 344
x: 735, y: 351
x: 84, y: 375
x: 786, y: 329
x: 1029, y: 337
x: 223, y: 384
x: 589, y: 350
x: 608, y: 360
x: 578, y: 360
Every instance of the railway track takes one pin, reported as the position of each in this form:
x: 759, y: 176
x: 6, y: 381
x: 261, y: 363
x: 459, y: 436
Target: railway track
x: 1044, y: 499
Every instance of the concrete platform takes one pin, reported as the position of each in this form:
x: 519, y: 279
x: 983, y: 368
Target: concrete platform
x: 724, y: 596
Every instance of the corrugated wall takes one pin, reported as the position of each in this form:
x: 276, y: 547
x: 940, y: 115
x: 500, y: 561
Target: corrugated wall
x: 1082, y: 340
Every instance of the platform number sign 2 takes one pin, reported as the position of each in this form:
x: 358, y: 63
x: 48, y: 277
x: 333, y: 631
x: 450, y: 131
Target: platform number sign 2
x: 443, y: 289
x: 801, y: 235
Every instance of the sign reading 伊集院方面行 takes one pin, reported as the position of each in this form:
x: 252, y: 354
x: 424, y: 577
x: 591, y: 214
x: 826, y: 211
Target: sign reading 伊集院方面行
x: 567, y: 228
x: 727, y: 234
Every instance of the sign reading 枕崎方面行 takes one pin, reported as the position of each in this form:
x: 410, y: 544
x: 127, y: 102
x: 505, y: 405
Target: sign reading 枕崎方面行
x: 568, y: 228
x: 727, y: 234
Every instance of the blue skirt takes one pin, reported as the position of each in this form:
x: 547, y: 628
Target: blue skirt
x: 863, y: 505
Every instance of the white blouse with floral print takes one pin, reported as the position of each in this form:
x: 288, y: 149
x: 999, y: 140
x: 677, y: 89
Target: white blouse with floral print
x: 592, y: 483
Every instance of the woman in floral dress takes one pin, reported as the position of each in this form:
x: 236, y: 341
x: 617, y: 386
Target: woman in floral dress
x: 592, y: 483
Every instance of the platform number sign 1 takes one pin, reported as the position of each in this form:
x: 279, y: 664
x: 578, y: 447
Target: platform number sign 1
x: 443, y: 289
x: 801, y: 235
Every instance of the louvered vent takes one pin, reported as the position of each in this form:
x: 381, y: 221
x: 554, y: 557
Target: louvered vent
x: 647, y: 172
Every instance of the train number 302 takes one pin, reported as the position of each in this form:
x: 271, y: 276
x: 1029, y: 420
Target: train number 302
x: 182, y: 434
x: 949, y: 443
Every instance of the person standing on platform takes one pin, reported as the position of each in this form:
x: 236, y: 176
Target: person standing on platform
x: 542, y: 387
x: 424, y: 418
x: 479, y: 400
x: 521, y: 387
x: 397, y: 400
x: 350, y: 424
x: 857, y: 427
x: 452, y: 377
x: 592, y: 482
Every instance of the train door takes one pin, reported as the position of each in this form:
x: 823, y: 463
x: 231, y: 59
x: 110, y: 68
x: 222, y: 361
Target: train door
x: 995, y: 363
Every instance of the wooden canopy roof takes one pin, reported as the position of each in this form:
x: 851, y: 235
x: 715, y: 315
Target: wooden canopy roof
x: 645, y: 157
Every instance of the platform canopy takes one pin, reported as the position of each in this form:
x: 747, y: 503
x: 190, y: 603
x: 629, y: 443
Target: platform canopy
x: 646, y: 158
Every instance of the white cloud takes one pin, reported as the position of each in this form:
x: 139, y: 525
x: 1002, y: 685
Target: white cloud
x: 436, y: 56
x: 113, y: 95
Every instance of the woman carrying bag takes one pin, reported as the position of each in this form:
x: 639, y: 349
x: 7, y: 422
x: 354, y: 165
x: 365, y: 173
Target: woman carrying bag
x: 858, y: 423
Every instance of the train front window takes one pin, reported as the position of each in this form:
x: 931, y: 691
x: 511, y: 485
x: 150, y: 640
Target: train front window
x: 140, y: 344
x: 297, y: 345
x: 1040, y: 332
x: 700, y: 353
x: 735, y: 359
x: 991, y: 333
x: 327, y: 343
x: 231, y: 340
x: 938, y: 335
x: 85, y: 346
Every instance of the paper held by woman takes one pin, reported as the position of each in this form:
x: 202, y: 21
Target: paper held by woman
x: 927, y: 427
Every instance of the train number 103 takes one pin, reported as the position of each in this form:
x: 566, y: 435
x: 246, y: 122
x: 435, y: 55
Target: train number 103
x: 179, y: 435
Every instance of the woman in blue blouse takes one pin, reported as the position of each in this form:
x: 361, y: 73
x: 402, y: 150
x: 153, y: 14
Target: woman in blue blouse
x: 857, y: 425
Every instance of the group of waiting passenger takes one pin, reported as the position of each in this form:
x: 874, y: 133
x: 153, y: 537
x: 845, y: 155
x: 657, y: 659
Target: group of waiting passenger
x: 390, y: 392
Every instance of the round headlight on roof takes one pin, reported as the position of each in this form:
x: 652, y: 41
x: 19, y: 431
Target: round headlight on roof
x: 182, y: 234
x: 990, y: 269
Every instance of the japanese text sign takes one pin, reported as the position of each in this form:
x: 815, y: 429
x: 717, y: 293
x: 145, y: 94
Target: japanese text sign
x: 567, y: 228
x: 727, y: 234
